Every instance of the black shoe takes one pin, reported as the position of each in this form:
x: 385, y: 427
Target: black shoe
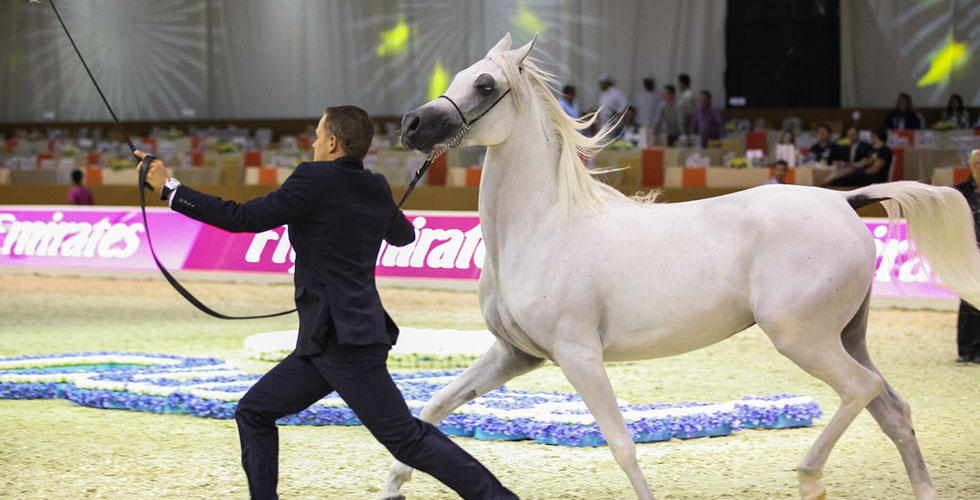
x: 967, y: 359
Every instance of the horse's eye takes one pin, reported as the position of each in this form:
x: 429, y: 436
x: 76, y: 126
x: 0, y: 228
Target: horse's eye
x: 485, y: 84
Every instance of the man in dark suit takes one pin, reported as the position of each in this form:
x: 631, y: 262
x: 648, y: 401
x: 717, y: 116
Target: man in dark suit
x: 968, y: 322
x: 337, y: 213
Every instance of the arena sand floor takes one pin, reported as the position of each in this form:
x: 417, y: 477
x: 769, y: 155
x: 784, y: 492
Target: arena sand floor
x: 57, y: 450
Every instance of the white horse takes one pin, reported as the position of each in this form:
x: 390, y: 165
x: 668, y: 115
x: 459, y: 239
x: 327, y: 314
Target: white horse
x: 579, y: 274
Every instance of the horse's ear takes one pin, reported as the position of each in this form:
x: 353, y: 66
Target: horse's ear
x: 502, y: 45
x: 521, y: 53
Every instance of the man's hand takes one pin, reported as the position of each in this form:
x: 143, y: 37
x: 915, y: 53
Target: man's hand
x: 156, y: 173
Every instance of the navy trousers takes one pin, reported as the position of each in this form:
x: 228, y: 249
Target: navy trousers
x: 968, y: 332
x: 360, y: 376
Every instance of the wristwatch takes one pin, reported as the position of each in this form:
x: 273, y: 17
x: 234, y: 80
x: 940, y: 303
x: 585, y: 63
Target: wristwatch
x: 168, y: 187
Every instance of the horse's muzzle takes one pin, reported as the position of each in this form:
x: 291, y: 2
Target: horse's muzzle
x: 429, y: 125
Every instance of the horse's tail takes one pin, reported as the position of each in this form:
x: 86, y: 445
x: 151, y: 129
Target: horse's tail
x: 939, y: 222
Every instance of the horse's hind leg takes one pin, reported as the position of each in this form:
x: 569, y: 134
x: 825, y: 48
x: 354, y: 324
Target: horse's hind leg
x: 499, y: 364
x: 583, y: 367
x: 891, y: 412
x: 820, y: 353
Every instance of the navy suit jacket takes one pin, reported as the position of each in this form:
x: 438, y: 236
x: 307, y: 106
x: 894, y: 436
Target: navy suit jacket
x: 337, y: 213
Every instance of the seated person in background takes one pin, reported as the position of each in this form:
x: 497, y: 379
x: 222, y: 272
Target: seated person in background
x: 821, y: 151
x: 955, y: 113
x: 787, y: 137
x: 707, y: 120
x: 903, y: 117
x: 79, y: 194
x: 632, y: 131
x: 778, y: 172
x: 567, y: 101
x: 875, y: 168
x: 851, y: 151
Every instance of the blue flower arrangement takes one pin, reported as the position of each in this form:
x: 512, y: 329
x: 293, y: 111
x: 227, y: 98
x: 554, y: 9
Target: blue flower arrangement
x: 209, y: 388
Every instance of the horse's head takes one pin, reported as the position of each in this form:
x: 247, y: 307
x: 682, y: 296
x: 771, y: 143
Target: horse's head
x: 482, y: 90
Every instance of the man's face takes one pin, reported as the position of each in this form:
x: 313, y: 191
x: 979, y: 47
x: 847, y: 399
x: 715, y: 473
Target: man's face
x: 648, y: 84
x: 668, y: 95
x: 852, y: 135
x: 570, y: 96
x: 321, y: 146
x: 823, y: 135
x: 704, y: 100
x: 779, y: 171
x: 603, y: 85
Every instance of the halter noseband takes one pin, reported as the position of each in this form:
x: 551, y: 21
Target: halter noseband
x: 469, y: 123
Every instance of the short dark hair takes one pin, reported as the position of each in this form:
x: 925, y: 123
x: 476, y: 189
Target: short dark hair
x: 670, y: 88
x: 881, y: 133
x: 568, y: 89
x: 706, y: 94
x: 353, y: 128
x: 686, y: 80
x: 781, y: 162
x: 76, y: 176
x: 824, y: 125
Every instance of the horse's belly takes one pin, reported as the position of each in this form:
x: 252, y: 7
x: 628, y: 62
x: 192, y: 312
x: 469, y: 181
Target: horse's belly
x: 658, y: 340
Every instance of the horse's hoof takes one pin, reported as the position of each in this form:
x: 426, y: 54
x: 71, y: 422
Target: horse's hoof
x: 396, y: 497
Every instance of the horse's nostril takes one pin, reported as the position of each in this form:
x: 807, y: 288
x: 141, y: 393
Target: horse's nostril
x: 413, y: 126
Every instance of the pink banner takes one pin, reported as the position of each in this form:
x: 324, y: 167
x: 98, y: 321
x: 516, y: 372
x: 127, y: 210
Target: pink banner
x: 449, y: 246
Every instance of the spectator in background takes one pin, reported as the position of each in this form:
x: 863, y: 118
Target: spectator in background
x: 779, y: 170
x: 707, y: 121
x: 671, y: 113
x: 787, y: 137
x: 955, y: 113
x: 567, y: 101
x: 903, y: 117
x: 632, y: 131
x: 647, y: 102
x: 612, y: 101
x: 822, y: 150
x: 968, y: 322
x: 79, y: 194
x: 875, y: 168
x: 852, y: 151
x: 687, y: 97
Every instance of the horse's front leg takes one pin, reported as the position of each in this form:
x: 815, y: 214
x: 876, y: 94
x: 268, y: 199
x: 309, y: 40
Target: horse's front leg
x: 499, y: 364
x: 581, y: 362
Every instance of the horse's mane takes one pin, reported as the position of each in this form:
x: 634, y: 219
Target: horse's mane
x: 577, y: 189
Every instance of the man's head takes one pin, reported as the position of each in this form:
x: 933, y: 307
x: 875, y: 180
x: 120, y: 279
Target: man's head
x: 569, y: 92
x: 605, y: 81
x: 669, y: 93
x: 343, y: 131
x: 904, y: 102
x: 684, y: 81
x: 629, y: 116
x: 76, y: 177
x: 852, y: 134
x: 823, y: 133
x: 779, y: 170
x: 975, y: 164
x: 649, y: 83
x: 879, y: 136
x: 705, y: 99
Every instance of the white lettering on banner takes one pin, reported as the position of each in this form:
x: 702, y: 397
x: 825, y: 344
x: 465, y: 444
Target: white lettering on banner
x: 432, y: 248
x: 68, y: 239
x: 891, y: 251
x: 254, y: 252
x: 436, y: 249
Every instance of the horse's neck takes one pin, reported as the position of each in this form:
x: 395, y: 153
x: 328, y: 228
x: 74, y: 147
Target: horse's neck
x: 519, y: 182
